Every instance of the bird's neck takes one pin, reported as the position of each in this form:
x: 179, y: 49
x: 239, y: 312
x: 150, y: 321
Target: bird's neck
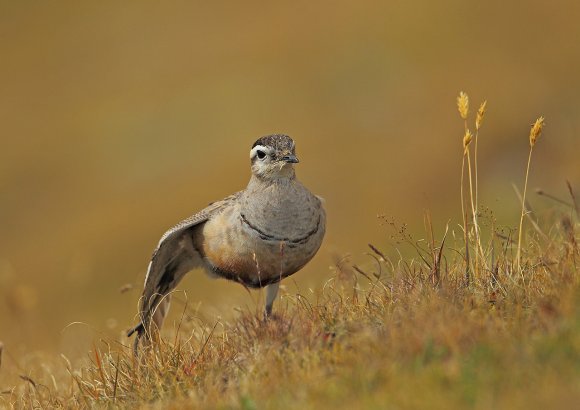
x: 281, y: 179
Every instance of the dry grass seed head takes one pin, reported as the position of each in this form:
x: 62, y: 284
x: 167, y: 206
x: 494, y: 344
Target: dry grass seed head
x: 467, y: 138
x: 536, y: 130
x: 480, y: 115
x: 463, y: 105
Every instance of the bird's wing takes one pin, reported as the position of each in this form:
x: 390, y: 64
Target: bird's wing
x: 161, y: 275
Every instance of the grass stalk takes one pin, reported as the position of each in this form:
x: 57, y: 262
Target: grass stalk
x: 535, y: 132
x: 464, y: 215
x: 473, y: 211
x: 523, y: 213
x: 478, y: 122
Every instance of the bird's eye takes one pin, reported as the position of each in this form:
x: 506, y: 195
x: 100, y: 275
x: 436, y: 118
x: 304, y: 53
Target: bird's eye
x: 261, y: 154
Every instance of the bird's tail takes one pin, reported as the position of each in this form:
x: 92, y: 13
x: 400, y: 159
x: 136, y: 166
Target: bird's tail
x: 151, y: 319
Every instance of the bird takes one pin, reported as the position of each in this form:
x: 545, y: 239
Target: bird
x: 256, y: 237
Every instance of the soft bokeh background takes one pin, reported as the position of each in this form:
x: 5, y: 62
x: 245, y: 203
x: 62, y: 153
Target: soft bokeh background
x: 117, y: 119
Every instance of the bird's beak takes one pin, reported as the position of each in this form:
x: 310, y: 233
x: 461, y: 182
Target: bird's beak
x: 291, y: 158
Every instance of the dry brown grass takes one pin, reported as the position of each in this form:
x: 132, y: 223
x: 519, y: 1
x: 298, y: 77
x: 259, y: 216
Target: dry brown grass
x: 388, y: 334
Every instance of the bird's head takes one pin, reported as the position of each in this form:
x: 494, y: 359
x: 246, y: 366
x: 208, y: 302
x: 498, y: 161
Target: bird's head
x: 273, y: 157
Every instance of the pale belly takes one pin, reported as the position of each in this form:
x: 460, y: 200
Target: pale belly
x: 234, y: 249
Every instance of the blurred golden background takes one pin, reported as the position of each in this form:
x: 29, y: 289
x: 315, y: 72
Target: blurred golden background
x: 118, y: 119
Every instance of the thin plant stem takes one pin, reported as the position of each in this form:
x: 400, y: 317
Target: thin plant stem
x: 519, y: 253
x: 479, y: 254
x: 464, y: 214
x: 476, y: 208
x: 476, y: 179
x: 477, y: 247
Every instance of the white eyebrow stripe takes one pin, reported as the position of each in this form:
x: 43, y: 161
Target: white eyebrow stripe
x: 257, y: 148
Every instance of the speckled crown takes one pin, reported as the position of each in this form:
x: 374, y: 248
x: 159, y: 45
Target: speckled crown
x: 280, y: 142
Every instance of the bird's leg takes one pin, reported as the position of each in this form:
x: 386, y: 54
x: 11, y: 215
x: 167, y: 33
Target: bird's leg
x: 271, y: 292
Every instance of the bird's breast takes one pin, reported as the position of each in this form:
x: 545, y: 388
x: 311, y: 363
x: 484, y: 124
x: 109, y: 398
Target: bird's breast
x: 264, y: 244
